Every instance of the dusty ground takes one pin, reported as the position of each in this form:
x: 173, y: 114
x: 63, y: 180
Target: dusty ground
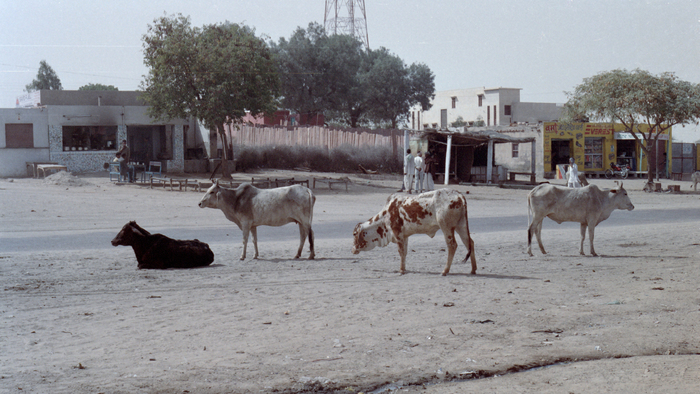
x: 80, y: 318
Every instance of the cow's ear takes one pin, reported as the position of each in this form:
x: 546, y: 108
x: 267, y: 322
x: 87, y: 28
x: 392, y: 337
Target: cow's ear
x: 613, y: 190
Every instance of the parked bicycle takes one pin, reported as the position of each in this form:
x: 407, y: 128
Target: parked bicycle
x: 618, y: 170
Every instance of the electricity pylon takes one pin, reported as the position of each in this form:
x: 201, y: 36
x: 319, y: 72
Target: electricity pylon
x: 347, y: 17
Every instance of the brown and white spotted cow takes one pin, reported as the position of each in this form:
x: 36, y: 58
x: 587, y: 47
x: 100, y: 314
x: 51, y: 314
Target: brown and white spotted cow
x: 403, y: 216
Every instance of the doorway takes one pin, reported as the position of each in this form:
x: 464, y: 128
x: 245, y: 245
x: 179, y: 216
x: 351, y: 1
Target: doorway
x: 626, y: 153
x: 561, y: 152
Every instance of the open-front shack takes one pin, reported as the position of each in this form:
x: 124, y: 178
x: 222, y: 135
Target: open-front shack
x: 482, y: 154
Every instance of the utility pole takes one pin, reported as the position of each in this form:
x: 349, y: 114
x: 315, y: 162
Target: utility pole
x: 347, y: 17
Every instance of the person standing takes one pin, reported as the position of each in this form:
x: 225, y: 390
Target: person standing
x: 430, y: 171
x: 572, y: 174
x: 123, y: 154
x: 408, y: 168
x: 418, y: 163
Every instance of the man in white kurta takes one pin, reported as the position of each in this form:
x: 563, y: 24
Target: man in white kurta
x: 572, y: 174
x: 420, y: 174
x: 408, y: 170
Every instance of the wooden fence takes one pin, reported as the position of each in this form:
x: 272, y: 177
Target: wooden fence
x: 316, y: 136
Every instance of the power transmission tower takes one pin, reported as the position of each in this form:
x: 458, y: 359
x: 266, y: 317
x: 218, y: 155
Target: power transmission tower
x: 353, y: 23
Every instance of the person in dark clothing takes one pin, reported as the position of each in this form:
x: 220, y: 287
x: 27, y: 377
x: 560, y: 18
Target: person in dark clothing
x: 123, y: 155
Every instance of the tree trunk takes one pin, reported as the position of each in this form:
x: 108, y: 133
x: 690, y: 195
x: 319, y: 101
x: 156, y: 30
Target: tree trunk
x: 647, y: 152
x: 225, y: 173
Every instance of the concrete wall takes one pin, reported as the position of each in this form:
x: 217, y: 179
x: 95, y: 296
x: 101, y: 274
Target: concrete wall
x: 13, y: 161
x: 503, y: 152
x: 536, y: 112
x: 90, y: 98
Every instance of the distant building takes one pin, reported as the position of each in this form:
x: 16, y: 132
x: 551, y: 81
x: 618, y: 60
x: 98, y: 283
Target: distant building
x: 481, y: 107
x: 82, y: 130
x: 285, y: 118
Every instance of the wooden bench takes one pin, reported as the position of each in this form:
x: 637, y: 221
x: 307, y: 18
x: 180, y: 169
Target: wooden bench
x: 31, y: 166
x: 330, y: 182
x: 42, y: 168
x: 261, y: 183
x: 512, y: 174
x: 290, y: 181
x: 179, y: 182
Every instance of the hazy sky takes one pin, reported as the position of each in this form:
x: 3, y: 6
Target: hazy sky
x: 545, y: 47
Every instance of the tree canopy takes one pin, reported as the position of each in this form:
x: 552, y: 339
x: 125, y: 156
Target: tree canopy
x: 46, y: 78
x: 317, y: 72
x: 97, y: 86
x: 335, y: 75
x: 214, y: 73
x: 635, y: 98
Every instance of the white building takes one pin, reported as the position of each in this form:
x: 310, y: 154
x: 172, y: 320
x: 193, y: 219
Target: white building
x: 493, y: 107
x: 82, y: 130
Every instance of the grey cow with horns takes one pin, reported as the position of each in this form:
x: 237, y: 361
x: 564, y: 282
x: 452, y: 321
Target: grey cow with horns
x: 250, y: 207
x: 587, y: 205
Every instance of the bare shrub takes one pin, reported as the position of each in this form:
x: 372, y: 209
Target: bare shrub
x: 342, y: 159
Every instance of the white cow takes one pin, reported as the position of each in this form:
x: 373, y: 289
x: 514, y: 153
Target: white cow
x: 250, y: 207
x: 426, y: 213
x: 695, y: 178
x: 587, y: 205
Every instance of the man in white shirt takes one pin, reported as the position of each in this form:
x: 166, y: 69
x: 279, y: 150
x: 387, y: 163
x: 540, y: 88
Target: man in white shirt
x: 572, y: 176
x: 407, y: 172
x: 420, y: 174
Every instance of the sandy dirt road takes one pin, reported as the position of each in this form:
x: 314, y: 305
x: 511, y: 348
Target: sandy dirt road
x: 77, y: 316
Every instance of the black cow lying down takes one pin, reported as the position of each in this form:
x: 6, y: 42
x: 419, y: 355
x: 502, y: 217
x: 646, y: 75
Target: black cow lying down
x: 156, y: 251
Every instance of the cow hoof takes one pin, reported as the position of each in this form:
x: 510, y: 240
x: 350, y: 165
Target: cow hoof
x: 402, y: 272
x: 473, y: 272
x: 444, y: 273
x: 583, y: 254
x: 594, y: 254
x: 311, y: 257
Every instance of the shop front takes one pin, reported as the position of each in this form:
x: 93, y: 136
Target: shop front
x: 595, y: 146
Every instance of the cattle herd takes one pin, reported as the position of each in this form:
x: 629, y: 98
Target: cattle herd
x: 401, y: 217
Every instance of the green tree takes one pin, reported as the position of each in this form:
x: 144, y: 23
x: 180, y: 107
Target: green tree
x: 215, y: 74
x: 46, y: 79
x: 459, y: 122
x: 635, y: 98
x: 98, y: 86
x: 317, y: 72
x: 334, y: 75
x: 392, y: 88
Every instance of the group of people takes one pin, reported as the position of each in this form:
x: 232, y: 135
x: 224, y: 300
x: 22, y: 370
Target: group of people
x: 420, y: 169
